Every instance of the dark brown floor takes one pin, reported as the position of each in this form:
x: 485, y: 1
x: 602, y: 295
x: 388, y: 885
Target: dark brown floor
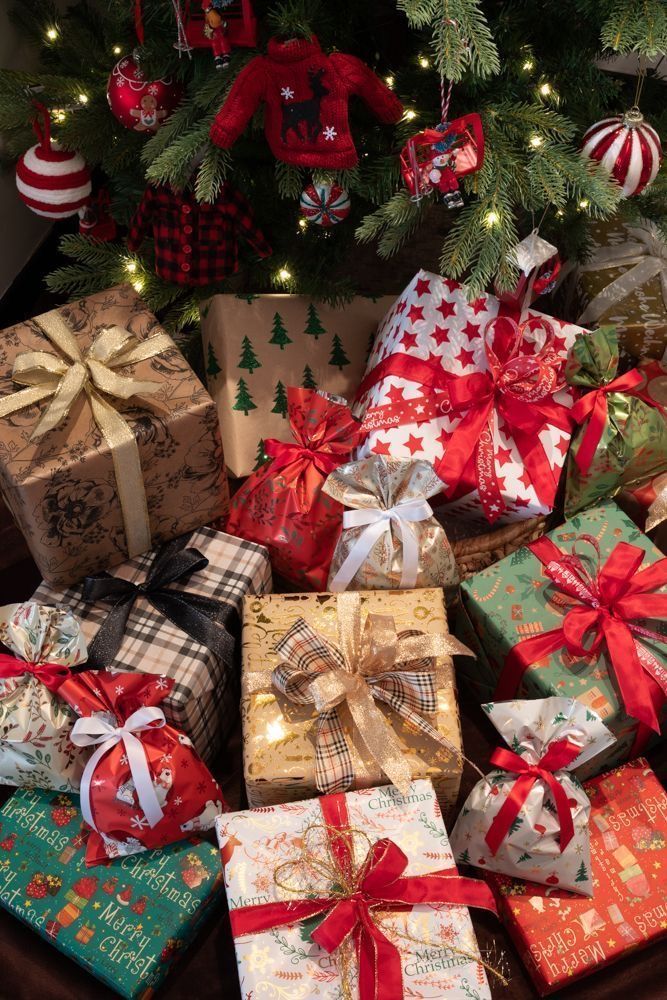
x: 33, y: 969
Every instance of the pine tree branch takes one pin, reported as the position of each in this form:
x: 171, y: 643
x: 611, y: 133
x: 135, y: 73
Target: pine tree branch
x: 636, y: 26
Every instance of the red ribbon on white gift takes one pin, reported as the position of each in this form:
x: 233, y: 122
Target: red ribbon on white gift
x: 376, y: 523
x: 94, y: 730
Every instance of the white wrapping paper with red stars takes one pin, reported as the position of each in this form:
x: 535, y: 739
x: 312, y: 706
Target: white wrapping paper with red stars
x: 477, y: 390
x: 144, y: 786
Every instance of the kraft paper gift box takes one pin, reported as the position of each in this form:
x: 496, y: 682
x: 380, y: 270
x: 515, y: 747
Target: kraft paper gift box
x: 624, y: 283
x: 516, y: 601
x: 109, y: 443
x: 204, y: 700
x: 279, y: 735
x: 255, y: 346
x: 125, y: 922
x: 266, y: 854
x: 561, y: 937
x: 441, y: 384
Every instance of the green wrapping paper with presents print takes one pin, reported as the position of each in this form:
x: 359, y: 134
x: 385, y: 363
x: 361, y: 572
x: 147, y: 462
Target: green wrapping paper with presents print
x: 622, y: 438
x: 588, y: 580
x: 125, y: 922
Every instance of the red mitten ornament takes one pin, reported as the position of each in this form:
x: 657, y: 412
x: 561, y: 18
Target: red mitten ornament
x: 144, y: 786
x: 306, y: 95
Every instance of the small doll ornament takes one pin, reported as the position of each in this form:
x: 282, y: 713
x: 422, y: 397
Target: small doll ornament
x: 529, y: 817
x: 216, y: 30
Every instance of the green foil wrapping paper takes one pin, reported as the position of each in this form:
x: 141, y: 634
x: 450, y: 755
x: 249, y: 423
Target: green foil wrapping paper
x: 514, y: 600
x: 633, y: 444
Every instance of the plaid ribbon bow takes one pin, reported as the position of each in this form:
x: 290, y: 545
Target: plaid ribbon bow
x: 369, y: 664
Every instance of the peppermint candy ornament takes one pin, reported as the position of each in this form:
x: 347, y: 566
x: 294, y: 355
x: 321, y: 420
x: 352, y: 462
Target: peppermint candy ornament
x: 628, y: 148
x: 52, y: 182
x: 140, y: 104
x: 324, y: 204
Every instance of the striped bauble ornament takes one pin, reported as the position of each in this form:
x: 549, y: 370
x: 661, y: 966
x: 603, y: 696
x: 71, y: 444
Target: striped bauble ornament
x: 51, y: 181
x: 324, y: 204
x: 628, y: 148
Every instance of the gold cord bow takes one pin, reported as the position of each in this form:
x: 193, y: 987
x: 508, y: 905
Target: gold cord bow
x: 370, y: 663
x: 60, y: 378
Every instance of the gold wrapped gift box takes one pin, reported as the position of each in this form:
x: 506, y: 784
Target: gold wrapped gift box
x: 624, y: 284
x: 279, y: 736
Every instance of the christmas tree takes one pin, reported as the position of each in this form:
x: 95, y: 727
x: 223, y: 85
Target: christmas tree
x: 279, y: 332
x: 535, y: 73
x: 308, y: 381
x: 582, y: 873
x: 212, y: 366
x: 243, y: 398
x: 261, y: 458
x: 338, y: 355
x: 280, y: 400
x: 314, y: 324
x: 249, y: 359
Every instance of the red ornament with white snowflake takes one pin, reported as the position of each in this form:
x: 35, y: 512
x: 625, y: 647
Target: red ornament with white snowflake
x: 140, y: 104
x: 627, y: 147
x: 476, y: 390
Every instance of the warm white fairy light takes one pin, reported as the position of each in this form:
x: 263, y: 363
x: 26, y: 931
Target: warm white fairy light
x: 389, y: 80
x: 116, y: 50
x: 424, y: 62
x: 583, y: 204
x: 83, y: 98
x: 536, y: 141
x: 560, y: 213
x: 303, y: 223
x: 545, y: 89
x: 58, y: 115
x: 284, y: 274
x: 410, y: 115
x: 528, y: 65
x: 491, y: 219
x: 138, y: 284
x: 52, y: 34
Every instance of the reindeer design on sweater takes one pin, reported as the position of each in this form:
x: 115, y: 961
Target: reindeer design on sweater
x: 305, y: 111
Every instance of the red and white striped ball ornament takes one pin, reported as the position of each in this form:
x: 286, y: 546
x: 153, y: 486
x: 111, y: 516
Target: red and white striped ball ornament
x: 628, y: 148
x: 51, y: 181
x: 324, y: 204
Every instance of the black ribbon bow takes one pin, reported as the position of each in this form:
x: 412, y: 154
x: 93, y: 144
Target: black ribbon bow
x: 202, y: 618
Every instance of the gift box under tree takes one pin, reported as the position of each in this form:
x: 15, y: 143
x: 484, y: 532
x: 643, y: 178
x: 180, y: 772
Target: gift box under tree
x: 353, y: 895
x: 624, y: 282
x: 255, y: 346
x: 309, y: 727
x: 478, y: 390
x: 577, y: 613
x: 109, y: 443
x: 184, y: 623
x: 150, y: 910
x: 562, y: 937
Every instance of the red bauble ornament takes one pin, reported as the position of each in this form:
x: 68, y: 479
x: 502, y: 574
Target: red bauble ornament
x: 324, y: 204
x: 50, y: 181
x: 627, y: 148
x: 140, y: 104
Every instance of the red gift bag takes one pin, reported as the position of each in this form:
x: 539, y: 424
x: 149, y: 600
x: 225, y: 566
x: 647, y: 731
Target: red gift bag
x: 144, y: 785
x: 282, y: 505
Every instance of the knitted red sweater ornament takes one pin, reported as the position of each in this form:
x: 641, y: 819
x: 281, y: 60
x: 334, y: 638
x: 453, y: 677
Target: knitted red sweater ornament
x: 306, y: 94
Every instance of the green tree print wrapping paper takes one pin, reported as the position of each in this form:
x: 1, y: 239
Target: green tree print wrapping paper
x: 632, y: 447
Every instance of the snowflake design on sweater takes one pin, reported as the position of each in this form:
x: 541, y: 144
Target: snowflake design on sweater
x: 330, y: 133
x: 287, y: 93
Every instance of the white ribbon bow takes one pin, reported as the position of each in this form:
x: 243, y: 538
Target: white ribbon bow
x: 95, y: 730
x: 377, y: 523
x: 644, y: 259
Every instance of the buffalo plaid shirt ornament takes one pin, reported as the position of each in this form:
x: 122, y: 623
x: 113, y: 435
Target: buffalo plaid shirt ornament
x: 196, y: 243
x: 373, y: 663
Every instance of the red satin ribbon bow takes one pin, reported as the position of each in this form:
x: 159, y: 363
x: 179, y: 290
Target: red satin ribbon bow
x: 518, y: 387
x: 51, y: 675
x: 286, y: 453
x: 594, y: 405
x: 559, y: 755
x: 605, y: 604
x: 379, y: 885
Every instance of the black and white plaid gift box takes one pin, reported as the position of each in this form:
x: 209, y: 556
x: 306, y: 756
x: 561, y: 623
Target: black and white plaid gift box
x: 204, y: 701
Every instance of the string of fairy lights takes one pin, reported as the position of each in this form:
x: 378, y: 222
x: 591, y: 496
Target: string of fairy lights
x: 543, y: 91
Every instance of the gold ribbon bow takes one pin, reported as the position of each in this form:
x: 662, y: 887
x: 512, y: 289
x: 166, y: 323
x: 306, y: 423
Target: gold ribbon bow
x: 369, y: 664
x: 61, y: 378
x: 645, y: 258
